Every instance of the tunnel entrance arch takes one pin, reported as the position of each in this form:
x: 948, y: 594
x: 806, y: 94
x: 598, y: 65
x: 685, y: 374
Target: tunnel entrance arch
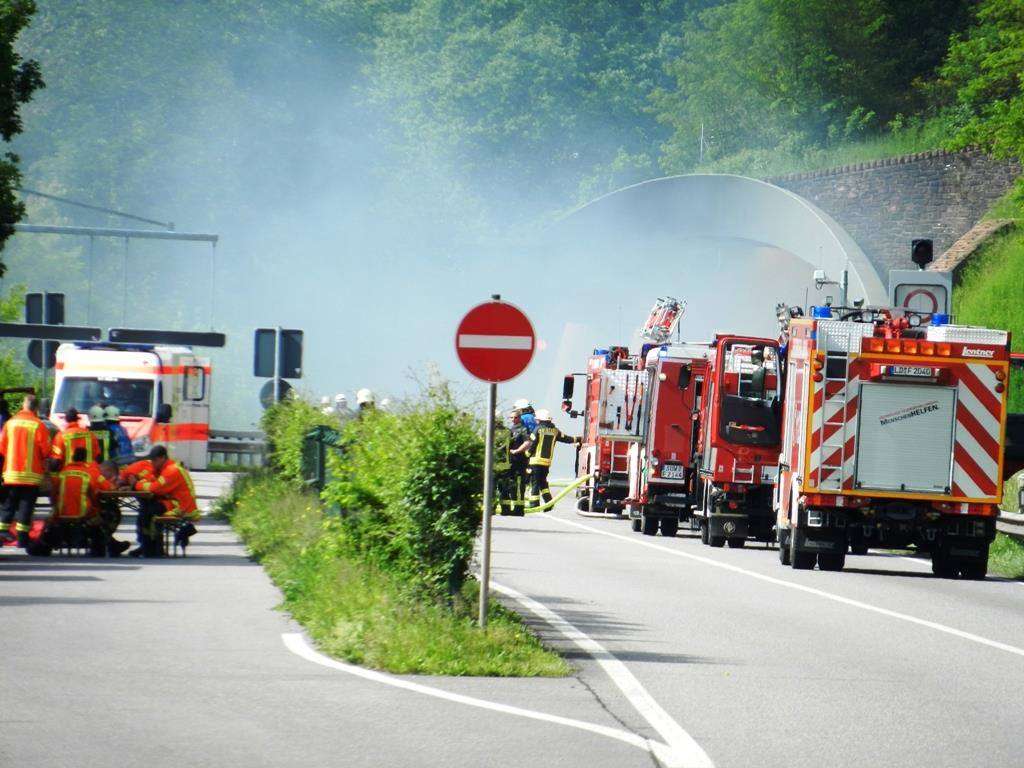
x: 724, y: 207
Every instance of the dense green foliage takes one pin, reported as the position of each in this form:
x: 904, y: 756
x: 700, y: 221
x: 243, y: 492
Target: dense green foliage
x: 286, y: 425
x: 19, y: 79
x: 363, y: 614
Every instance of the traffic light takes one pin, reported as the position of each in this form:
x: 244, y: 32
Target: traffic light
x: 921, y: 252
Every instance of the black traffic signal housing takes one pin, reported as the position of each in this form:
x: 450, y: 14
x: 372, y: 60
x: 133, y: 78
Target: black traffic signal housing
x: 921, y: 252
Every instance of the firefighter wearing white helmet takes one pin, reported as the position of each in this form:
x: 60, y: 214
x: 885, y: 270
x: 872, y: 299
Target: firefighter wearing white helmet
x: 98, y: 426
x: 341, y: 409
x: 542, y: 452
x: 365, y: 400
x: 325, y: 406
x: 526, y: 413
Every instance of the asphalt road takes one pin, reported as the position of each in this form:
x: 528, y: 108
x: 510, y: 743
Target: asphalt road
x: 183, y: 662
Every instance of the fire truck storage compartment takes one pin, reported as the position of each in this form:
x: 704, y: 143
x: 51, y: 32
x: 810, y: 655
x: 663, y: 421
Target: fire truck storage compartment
x: 905, y: 437
x: 622, y: 397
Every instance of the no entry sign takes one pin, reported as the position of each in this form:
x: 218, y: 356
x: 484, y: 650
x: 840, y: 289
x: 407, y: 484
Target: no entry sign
x: 495, y: 341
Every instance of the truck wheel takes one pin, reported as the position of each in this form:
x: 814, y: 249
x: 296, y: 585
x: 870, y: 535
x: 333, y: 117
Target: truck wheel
x: 783, y: 549
x: 799, y: 560
x: 975, y: 570
x: 635, y: 523
x: 832, y: 561
x: 704, y: 531
x: 716, y: 541
x: 941, y: 565
x: 649, y: 525
x: 669, y: 526
x: 737, y: 543
x: 858, y: 549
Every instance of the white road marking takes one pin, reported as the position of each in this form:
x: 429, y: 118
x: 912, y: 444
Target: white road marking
x: 801, y: 588
x: 296, y: 643
x: 684, y: 751
x: 480, y: 341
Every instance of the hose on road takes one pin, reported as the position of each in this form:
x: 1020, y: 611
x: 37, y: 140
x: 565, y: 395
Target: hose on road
x: 561, y: 495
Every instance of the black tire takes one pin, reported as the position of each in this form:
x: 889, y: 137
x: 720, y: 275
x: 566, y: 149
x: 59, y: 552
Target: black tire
x: 716, y: 541
x: 704, y: 531
x: 669, y: 526
x: 799, y: 560
x: 858, y: 549
x: 783, y: 549
x: 975, y: 570
x: 737, y: 543
x: 634, y: 522
x: 832, y: 561
x: 648, y: 525
x: 941, y: 566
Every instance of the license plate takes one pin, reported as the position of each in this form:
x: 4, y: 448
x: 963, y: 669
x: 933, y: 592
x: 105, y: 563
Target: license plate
x: 673, y: 471
x: 913, y: 371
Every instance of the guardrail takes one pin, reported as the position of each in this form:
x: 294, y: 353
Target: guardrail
x: 1011, y: 524
x: 237, y: 448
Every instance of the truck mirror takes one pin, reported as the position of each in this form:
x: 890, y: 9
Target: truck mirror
x: 163, y: 413
x: 568, y: 383
x: 684, y: 377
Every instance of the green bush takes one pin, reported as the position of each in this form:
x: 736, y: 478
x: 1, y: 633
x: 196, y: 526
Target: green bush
x: 285, y: 425
x: 360, y: 613
x: 409, y: 485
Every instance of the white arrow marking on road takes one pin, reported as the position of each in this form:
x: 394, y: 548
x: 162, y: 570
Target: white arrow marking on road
x: 478, y: 341
x: 802, y: 588
x: 297, y: 644
x: 683, y: 751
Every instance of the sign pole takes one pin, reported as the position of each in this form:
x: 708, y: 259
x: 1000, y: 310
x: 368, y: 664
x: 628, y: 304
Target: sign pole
x: 277, y: 364
x: 485, y: 560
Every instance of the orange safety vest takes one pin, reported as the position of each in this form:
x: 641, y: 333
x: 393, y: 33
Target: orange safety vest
x: 25, y: 445
x: 78, y: 486
x: 66, y: 442
x: 142, y: 469
x: 173, y: 488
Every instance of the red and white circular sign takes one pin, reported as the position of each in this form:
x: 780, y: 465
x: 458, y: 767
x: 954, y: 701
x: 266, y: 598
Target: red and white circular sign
x: 495, y: 341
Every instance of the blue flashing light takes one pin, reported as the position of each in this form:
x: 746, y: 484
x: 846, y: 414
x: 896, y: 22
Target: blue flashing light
x: 600, y: 351
x: 821, y: 313
x: 940, y: 319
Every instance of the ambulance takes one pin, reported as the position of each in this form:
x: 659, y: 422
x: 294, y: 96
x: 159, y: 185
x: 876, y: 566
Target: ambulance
x: 163, y: 393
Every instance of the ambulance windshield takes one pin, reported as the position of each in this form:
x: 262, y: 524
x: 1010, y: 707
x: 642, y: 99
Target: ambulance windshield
x: 750, y: 394
x: 133, y: 397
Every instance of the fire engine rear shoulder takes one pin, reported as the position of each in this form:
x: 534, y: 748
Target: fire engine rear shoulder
x: 892, y: 437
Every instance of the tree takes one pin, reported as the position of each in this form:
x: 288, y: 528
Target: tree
x: 19, y: 79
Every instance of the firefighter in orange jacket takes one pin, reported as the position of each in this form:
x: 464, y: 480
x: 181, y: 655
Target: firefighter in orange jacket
x: 76, y: 502
x: 24, y: 447
x: 174, y: 495
x: 74, y: 436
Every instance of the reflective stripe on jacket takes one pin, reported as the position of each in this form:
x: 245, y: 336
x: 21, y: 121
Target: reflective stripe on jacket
x: 173, y: 488
x: 25, y: 446
x: 66, y: 442
x: 78, y: 487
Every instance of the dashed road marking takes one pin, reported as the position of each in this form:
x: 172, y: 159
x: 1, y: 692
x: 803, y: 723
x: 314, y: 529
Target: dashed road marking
x: 970, y: 636
x: 683, y: 750
x: 297, y: 644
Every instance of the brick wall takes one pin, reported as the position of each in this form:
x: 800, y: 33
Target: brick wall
x: 886, y: 203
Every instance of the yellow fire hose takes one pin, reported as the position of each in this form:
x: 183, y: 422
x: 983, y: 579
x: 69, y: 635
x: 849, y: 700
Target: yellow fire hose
x: 561, y: 495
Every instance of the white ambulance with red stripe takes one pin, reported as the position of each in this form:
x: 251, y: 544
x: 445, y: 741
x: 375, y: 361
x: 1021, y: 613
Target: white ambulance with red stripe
x: 162, y: 392
x: 893, y: 437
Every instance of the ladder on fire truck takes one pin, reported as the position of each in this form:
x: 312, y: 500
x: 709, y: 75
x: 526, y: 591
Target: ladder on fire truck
x: 836, y: 340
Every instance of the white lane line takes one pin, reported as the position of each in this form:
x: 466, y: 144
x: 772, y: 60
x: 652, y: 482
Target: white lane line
x: 800, y: 588
x: 297, y: 644
x: 684, y: 751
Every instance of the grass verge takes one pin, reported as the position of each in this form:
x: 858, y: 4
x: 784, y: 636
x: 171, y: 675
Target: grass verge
x: 1006, y: 557
x: 363, y: 615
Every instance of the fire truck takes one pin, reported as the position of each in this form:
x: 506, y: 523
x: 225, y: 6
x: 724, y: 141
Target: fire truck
x: 893, y: 437
x: 163, y: 393
x: 663, y: 463
x: 739, y: 439
x: 615, y: 391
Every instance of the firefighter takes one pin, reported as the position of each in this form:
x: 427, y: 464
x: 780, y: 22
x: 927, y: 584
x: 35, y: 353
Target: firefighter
x: 365, y: 401
x: 76, y: 507
x: 526, y: 414
x: 71, y: 437
x: 24, y: 447
x: 98, y: 426
x: 341, y: 409
x: 174, y: 495
x: 325, y: 406
x: 519, y: 444
x: 542, y: 451
x: 502, y: 465
x: 110, y: 512
x: 120, y: 443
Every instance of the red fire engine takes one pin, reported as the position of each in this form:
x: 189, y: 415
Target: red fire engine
x: 612, y: 411
x: 663, y: 464
x: 893, y: 437
x: 739, y: 439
